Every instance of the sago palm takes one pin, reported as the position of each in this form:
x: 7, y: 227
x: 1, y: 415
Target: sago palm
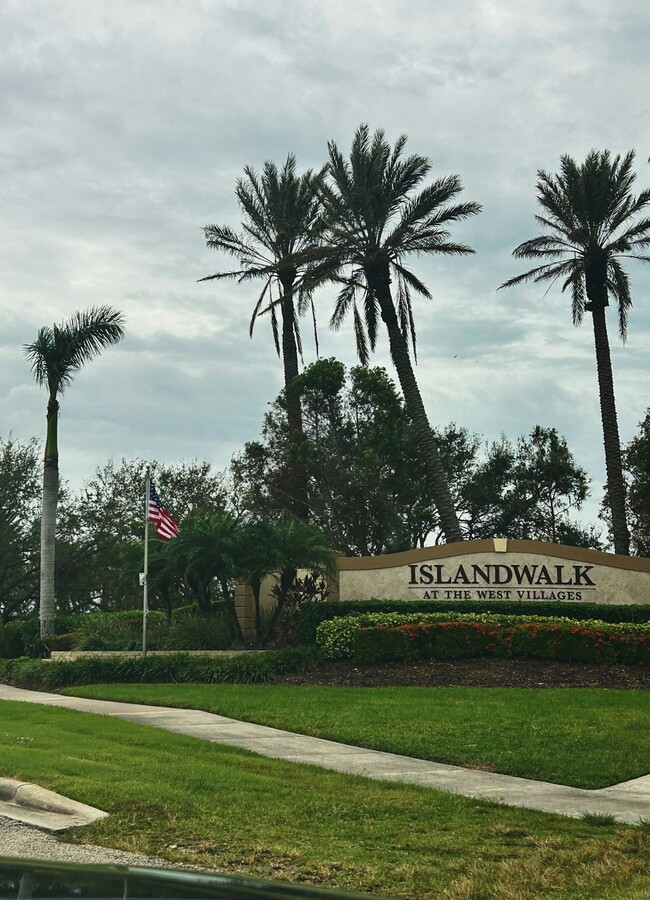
x: 281, y: 214
x: 56, y: 356
x: 591, y: 221
x: 378, y: 214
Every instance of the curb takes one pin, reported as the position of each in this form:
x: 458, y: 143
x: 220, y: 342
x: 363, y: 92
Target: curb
x: 35, y: 805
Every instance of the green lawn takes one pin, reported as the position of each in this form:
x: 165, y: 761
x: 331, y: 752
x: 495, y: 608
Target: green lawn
x: 196, y: 802
x: 584, y: 737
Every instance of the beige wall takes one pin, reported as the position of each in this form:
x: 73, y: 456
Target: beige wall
x: 554, y: 572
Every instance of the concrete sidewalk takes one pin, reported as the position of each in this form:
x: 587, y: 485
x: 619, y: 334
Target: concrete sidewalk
x: 626, y: 802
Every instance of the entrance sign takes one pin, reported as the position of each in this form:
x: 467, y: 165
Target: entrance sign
x: 497, y: 569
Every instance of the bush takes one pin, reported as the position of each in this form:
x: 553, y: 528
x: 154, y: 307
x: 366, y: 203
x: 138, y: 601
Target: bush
x: 120, y: 631
x: 22, y: 637
x: 557, y: 639
x: 312, y: 615
x: 194, y: 632
x: 336, y: 637
x: 249, y: 668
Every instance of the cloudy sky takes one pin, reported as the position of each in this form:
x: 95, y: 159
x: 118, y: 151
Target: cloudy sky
x: 126, y: 125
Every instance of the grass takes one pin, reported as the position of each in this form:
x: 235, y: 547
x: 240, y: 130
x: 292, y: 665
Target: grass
x: 195, y: 802
x: 584, y: 737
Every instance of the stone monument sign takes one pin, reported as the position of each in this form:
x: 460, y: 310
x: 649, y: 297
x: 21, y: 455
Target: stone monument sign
x: 497, y: 569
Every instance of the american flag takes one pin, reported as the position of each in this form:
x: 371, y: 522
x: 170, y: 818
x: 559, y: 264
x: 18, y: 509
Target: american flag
x: 166, y: 527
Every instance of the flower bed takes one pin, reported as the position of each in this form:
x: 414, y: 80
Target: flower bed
x: 543, y: 639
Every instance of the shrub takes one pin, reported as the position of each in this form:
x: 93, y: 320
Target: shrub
x: 244, y: 668
x: 194, y: 632
x: 120, y: 631
x: 336, y: 637
x: 558, y: 639
x: 312, y: 615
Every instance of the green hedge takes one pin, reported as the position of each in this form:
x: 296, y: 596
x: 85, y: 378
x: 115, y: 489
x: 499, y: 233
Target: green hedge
x: 313, y: 614
x: 545, y: 639
x: 336, y: 637
x: 246, y: 668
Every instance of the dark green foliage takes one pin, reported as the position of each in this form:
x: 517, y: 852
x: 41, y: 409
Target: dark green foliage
x: 22, y: 638
x: 195, y: 632
x: 366, y: 483
x: 374, y: 645
x: 245, y: 668
x: 636, y: 463
x: 568, y: 642
x: 120, y: 631
x: 313, y: 614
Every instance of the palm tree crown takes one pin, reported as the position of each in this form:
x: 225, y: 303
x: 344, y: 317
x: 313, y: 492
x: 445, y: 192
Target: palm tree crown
x: 591, y: 221
x: 281, y: 216
x: 59, y: 352
x: 375, y: 220
x: 589, y: 211
x: 375, y: 216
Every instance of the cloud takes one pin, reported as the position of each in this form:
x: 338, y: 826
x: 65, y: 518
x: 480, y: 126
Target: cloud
x: 126, y: 125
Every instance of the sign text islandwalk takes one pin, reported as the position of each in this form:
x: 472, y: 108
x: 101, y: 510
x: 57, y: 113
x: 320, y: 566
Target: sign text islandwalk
x: 500, y: 581
x: 497, y: 569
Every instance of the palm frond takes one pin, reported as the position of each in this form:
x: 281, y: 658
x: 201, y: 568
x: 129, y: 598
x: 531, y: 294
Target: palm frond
x: 618, y: 283
x: 360, y: 337
x: 60, y: 351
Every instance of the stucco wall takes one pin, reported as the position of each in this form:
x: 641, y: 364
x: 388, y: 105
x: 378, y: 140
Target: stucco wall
x: 497, y: 570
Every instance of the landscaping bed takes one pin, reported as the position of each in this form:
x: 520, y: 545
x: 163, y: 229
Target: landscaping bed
x: 479, y: 672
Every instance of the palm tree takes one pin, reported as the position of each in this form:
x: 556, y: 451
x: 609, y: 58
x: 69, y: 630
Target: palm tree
x: 56, y: 356
x: 375, y: 219
x: 281, y: 220
x: 281, y: 549
x: 590, y: 214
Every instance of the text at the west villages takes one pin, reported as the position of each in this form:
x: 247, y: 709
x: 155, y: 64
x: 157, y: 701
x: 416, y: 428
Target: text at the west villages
x: 500, y: 581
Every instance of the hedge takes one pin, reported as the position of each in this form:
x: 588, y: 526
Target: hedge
x: 545, y: 639
x: 246, y: 668
x: 312, y: 614
x: 335, y: 637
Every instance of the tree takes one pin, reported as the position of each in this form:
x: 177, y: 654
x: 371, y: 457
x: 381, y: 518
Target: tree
x: 56, y: 356
x: 281, y: 549
x: 548, y: 484
x: 20, y: 493
x: 636, y: 459
x: 591, y: 219
x: 374, y: 221
x: 282, y: 218
x: 525, y: 490
x: 110, y: 520
x: 366, y: 484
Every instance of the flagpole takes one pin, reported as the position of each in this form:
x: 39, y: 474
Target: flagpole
x: 145, y: 593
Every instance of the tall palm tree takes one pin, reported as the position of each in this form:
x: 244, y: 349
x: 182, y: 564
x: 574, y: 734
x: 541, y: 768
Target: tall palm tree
x: 377, y: 214
x: 281, y: 219
x: 590, y: 216
x: 56, y: 356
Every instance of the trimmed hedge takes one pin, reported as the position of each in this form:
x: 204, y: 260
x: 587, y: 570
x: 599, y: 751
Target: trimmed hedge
x: 551, y: 639
x: 336, y: 637
x: 313, y: 614
x: 247, y: 668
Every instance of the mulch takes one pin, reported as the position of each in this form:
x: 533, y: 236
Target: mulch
x: 534, y: 673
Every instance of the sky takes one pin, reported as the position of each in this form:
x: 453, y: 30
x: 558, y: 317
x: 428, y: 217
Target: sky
x: 126, y: 126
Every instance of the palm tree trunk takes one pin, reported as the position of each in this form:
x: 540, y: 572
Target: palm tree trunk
x: 48, y: 521
x: 415, y: 408
x: 613, y: 464
x: 297, y: 481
